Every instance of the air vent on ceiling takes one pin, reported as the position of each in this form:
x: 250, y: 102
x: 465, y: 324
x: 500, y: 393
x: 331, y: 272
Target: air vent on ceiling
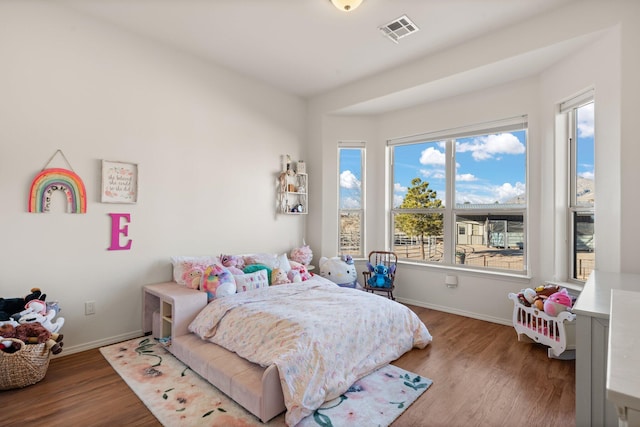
x: 399, y: 28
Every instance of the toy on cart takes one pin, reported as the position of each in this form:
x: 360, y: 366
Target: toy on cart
x: 543, y: 315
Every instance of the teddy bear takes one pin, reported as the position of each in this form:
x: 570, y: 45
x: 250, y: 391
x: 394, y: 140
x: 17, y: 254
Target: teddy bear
x: 33, y: 333
x: 340, y: 270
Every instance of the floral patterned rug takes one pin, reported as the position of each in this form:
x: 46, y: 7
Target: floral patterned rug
x: 177, y: 396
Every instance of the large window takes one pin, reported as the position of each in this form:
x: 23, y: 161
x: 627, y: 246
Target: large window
x: 351, y: 202
x: 459, y: 196
x: 580, y: 114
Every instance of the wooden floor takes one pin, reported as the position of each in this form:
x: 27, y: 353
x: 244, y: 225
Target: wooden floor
x: 482, y: 377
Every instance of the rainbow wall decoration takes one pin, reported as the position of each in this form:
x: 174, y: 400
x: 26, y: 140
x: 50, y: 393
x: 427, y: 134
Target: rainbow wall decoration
x: 54, y: 179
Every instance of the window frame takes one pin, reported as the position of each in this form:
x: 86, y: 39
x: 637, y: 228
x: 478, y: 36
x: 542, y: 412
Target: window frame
x: 573, y: 208
x: 451, y: 211
x: 361, y: 146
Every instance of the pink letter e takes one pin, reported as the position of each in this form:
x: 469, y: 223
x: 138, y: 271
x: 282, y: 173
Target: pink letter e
x: 117, y: 230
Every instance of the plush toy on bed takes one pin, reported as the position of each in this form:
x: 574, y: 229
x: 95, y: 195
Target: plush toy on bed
x: 380, y: 275
x: 279, y: 277
x: 340, y: 270
x: 217, y: 282
x: 233, y: 263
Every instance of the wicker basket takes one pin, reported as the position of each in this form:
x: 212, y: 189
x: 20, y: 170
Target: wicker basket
x: 26, y: 366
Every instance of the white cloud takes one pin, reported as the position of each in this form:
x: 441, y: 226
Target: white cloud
x: 585, y: 121
x: 467, y: 177
x: 433, y: 173
x: 350, y: 203
x: 431, y: 156
x: 482, y: 194
x: 348, y: 180
x: 488, y: 147
x: 399, y: 188
x: 397, y: 200
x: 587, y: 175
x: 507, y: 191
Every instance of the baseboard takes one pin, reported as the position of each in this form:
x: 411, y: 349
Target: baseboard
x: 506, y: 322
x: 99, y: 343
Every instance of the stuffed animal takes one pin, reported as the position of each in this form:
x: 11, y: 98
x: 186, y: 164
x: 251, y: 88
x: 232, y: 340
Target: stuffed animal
x: 301, y: 269
x: 31, y: 316
x: 33, y: 333
x: 294, y: 276
x: 279, y: 277
x: 11, y: 306
x: 340, y: 270
x: 557, y: 303
x: 380, y: 275
x: 233, y: 263
x: 217, y: 282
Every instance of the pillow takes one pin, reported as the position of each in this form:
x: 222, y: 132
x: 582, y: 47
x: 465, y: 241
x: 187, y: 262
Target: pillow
x: 187, y: 270
x: 256, y: 280
x: 257, y: 267
x: 217, y: 282
x: 263, y: 258
x: 282, y: 262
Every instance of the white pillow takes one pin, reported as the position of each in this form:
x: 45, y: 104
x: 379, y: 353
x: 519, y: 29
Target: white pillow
x: 187, y: 269
x: 283, y: 263
x: 256, y: 280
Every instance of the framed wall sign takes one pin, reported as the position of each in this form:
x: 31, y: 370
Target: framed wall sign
x: 119, y: 182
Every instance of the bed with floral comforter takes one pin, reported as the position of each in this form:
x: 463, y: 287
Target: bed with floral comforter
x: 321, y: 337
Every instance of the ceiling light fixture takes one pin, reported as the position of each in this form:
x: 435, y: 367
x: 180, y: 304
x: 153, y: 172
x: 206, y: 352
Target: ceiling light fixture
x: 346, y: 5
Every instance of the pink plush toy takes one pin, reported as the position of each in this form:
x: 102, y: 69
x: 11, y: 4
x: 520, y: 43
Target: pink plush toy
x: 233, y: 263
x: 557, y: 303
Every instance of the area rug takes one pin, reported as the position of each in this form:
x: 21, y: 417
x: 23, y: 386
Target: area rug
x: 177, y: 396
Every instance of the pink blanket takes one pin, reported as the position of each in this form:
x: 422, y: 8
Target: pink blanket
x: 321, y: 337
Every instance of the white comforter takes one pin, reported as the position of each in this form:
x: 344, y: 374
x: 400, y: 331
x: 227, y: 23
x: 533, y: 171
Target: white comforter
x: 321, y: 337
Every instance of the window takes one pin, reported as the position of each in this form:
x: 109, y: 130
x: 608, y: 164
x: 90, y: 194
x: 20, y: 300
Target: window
x: 351, y: 202
x: 459, y: 196
x: 581, y: 215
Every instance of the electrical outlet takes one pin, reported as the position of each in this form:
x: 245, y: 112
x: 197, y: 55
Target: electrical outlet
x: 89, y: 308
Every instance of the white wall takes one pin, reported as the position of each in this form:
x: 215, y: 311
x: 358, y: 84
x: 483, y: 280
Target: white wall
x: 208, y: 143
x: 608, y: 63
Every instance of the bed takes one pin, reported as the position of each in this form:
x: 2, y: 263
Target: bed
x: 291, y: 347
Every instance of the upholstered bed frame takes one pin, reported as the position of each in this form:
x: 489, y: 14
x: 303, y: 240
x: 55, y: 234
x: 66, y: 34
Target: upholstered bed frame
x: 256, y: 388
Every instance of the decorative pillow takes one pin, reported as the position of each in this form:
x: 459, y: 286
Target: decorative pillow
x: 282, y: 262
x: 217, y: 282
x: 188, y: 269
x: 256, y: 280
x: 257, y: 267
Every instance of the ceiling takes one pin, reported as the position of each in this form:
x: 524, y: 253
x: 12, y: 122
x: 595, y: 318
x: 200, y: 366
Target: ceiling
x: 308, y: 47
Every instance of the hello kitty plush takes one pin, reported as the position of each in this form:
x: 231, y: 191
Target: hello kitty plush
x: 340, y: 270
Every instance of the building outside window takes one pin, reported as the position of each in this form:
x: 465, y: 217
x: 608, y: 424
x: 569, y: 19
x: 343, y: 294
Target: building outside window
x: 351, y: 198
x: 459, y: 196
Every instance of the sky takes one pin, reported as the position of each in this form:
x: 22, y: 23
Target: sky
x: 489, y: 168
